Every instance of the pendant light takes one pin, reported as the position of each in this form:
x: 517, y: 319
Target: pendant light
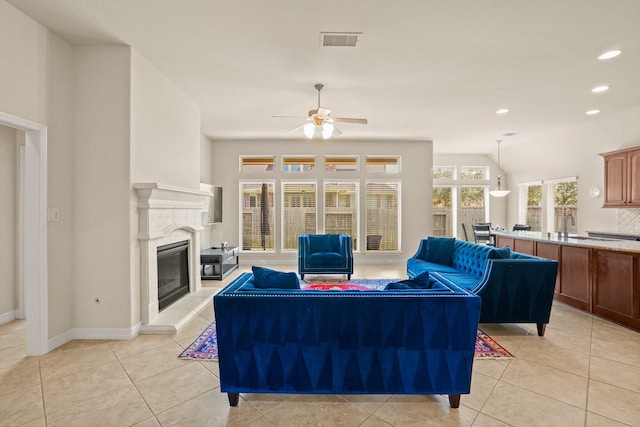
x: 499, y: 192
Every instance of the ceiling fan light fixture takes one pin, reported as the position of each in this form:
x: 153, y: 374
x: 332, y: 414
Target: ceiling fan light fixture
x: 327, y: 130
x: 309, y: 129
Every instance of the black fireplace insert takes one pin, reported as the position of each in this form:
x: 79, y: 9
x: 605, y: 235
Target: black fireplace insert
x: 173, y: 272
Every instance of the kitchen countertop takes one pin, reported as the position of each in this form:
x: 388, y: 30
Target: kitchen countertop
x: 583, y: 241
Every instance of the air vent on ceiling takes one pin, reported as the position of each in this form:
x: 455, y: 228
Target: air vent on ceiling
x: 339, y: 39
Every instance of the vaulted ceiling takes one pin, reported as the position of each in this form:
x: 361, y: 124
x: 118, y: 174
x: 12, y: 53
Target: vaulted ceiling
x: 422, y: 69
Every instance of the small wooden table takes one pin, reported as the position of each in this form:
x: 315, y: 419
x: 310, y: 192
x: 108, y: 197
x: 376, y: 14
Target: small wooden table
x: 217, y: 263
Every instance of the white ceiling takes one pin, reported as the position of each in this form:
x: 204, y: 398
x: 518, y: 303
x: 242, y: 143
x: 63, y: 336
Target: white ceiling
x: 424, y: 69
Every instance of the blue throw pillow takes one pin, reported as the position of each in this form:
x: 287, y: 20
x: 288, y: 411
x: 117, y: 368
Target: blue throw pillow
x: 265, y: 278
x: 421, y: 281
x: 440, y: 250
x: 500, y: 253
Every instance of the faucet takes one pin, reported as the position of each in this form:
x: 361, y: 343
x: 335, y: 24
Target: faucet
x: 573, y: 222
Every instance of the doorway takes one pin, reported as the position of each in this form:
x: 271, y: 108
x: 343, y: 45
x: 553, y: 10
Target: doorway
x: 32, y: 255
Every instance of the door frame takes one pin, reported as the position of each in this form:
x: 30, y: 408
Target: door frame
x: 32, y: 255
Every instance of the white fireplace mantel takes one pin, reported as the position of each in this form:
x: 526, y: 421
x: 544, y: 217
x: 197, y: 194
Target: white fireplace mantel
x: 166, y: 214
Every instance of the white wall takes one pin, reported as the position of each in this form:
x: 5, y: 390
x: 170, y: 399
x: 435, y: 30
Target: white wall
x: 416, y: 179
x: 37, y: 84
x: 101, y: 188
x: 573, y: 156
x: 8, y: 220
x: 165, y: 129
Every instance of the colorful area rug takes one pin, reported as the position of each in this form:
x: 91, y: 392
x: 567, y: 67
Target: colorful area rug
x: 205, y: 347
x: 345, y: 285
x: 488, y: 348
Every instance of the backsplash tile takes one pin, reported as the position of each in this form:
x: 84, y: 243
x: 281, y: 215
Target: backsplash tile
x: 629, y: 221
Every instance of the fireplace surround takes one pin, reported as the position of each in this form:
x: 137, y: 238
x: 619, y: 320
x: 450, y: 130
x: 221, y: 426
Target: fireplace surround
x: 166, y: 215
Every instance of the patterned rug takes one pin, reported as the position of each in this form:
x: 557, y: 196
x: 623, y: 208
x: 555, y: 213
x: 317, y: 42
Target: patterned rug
x: 205, y: 347
x: 488, y: 348
x: 345, y: 285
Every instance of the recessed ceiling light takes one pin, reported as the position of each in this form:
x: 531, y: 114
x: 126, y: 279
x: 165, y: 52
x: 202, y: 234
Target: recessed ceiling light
x: 502, y: 111
x: 598, y: 89
x: 592, y: 112
x: 609, y: 54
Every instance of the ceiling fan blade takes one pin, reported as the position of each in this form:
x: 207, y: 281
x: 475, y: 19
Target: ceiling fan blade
x: 296, y: 129
x: 289, y: 117
x: 349, y: 120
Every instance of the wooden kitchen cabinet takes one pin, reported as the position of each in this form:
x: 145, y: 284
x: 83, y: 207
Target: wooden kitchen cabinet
x: 622, y: 178
x: 524, y: 246
x: 502, y: 241
x: 575, y: 280
x: 616, y: 293
x: 550, y: 251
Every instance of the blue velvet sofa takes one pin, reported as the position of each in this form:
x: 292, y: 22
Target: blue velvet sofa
x: 325, y: 254
x: 514, y: 287
x: 411, y: 341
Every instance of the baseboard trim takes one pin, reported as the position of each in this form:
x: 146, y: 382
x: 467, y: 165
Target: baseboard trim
x: 8, y: 316
x: 93, y: 334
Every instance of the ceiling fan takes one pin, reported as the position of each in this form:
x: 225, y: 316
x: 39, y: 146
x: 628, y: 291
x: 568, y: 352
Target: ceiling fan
x: 320, y: 122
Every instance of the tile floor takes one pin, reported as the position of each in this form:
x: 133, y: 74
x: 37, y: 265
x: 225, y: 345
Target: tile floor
x: 584, y: 372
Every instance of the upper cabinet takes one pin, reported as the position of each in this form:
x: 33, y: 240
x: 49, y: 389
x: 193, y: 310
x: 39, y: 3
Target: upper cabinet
x: 622, y: 178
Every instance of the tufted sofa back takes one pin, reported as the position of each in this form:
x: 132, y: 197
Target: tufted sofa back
x: 472, y: 258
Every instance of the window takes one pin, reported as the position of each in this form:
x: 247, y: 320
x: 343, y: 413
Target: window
x: 341, y: 164
x: 298, y: 212
x: 383, y: 213
x: 257, y: 216
x: 443, y: 172
x: 474, y: 172
x: 473, y: 204
x: 565, y: 205
x: 256, y: 164
x: 459, y: 197
x: 443, y: 213
x: 383, y: 164
x: 531, y: 205
x: 341, y: 209
x: 298, y: 164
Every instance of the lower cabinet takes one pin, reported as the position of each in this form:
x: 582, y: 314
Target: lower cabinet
x: 616, y: 293
x: 599, y: 281
x: 524, y: 246
x: 575, y: 281
x: 550, y: 251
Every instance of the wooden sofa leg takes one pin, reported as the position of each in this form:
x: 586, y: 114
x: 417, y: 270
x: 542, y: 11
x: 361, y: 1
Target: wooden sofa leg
x: 541, y: 328
x: 234, y: 398
x: 454, y: 400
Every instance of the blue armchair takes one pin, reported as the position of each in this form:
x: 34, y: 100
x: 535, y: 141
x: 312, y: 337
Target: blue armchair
x: 325, y: 254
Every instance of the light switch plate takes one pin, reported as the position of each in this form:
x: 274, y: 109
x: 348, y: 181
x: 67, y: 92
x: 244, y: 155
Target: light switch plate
x: 53, y: 214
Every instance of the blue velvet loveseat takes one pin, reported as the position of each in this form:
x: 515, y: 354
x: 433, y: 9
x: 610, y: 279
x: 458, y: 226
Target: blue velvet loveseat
x: 412, y: 341
x: 514, y: 287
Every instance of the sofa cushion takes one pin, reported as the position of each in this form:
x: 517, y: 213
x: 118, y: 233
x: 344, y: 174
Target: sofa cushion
x: 265, y: 278
x: 326, y: 259
x: 500, y: 253
x: 321, y: 243
x: 417, y: 266
x: 422, y: 281
x: 440, y: 250
x: 466, y: 281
